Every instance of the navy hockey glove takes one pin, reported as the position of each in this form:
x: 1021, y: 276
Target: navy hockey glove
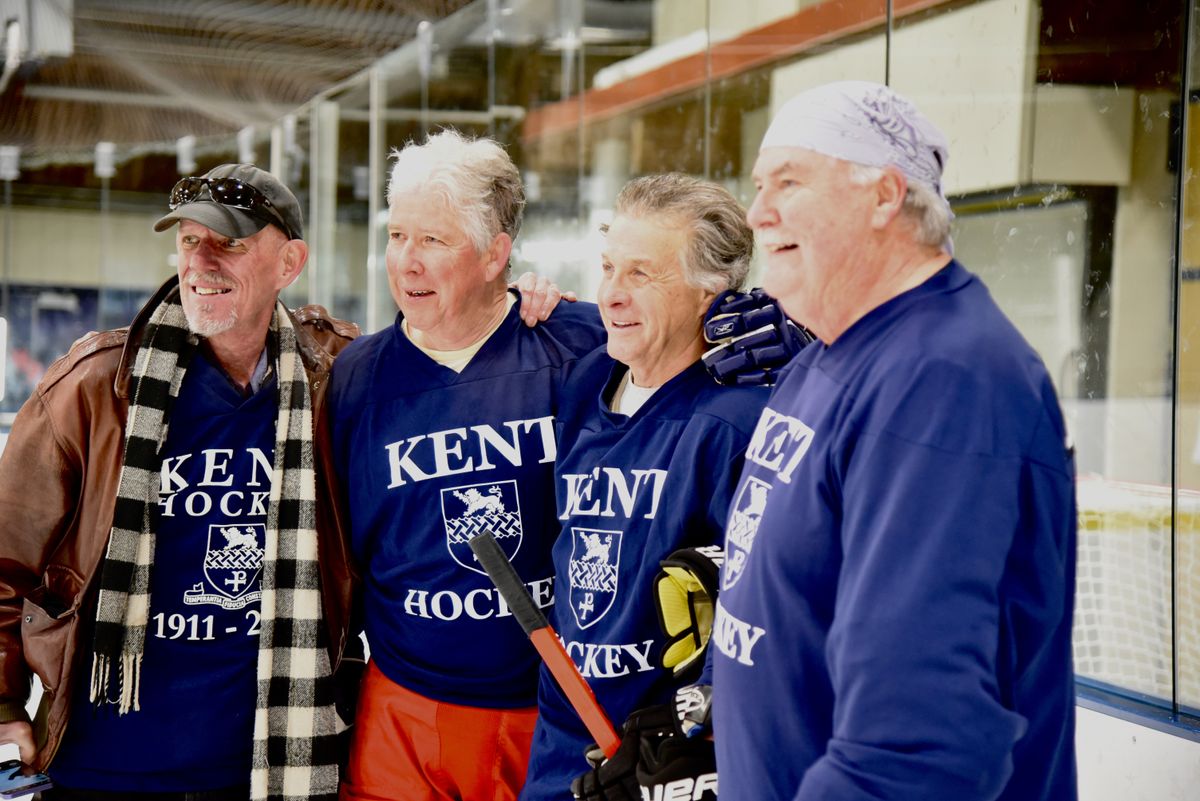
x: 685, y: 591
x: 615, y: 779
x: 753, y: 338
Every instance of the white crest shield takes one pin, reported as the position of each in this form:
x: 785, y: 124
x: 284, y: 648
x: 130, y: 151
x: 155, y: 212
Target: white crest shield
x: 744, y: 518
x: 592, y: 571
x: 232, y: 564
x: 470, y: 510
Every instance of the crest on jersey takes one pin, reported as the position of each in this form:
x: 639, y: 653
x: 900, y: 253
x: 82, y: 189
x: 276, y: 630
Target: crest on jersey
x: 232, y: 564
x: 592, y: 571
x: 743, y: 527
x: 470, y: 510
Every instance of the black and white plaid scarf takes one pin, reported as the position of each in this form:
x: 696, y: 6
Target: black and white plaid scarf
x: 295, y: 753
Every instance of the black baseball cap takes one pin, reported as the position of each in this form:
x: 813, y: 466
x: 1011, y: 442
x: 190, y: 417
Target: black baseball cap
x: 216, y: 202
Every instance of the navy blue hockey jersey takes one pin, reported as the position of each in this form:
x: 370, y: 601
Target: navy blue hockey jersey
x: 198, y: 670
x: 428, y: 458
x: 631, y: 490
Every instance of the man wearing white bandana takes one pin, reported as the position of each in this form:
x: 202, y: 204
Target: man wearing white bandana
x: 895, y: 610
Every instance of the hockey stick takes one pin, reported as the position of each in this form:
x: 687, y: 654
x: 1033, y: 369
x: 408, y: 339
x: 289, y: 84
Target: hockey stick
x: 544, y: 639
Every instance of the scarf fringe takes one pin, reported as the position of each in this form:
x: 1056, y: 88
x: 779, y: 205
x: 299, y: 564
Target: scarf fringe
x: 130, y: 675
x: 99, y: 679
x: 131, y: 683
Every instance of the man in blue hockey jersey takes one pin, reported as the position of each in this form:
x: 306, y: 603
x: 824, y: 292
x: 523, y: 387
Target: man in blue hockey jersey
x: 443, y: 427
x: 650, y: 449
x: 895, y: 611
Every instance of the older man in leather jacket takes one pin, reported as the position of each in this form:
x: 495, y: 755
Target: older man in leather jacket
x: 166, y: 582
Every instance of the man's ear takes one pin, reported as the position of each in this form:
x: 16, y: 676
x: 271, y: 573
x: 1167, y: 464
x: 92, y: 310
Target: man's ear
x: 496, y: 257
x: 293, y: 255
x: 890, y: 190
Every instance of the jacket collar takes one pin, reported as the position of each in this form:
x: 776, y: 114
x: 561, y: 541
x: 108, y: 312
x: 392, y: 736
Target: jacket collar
x: 316, y: 359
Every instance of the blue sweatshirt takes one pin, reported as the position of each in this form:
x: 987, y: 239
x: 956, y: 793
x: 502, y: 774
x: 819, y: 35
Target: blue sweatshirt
x: 631, y: 490
x: 197, y: 683
x: 429, y: 458
x: 895, y: 613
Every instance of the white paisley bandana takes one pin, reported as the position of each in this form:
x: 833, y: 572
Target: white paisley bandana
x: 863, y: 123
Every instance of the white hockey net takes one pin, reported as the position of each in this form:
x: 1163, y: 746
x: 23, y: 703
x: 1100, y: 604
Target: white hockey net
x: 1123, y: 602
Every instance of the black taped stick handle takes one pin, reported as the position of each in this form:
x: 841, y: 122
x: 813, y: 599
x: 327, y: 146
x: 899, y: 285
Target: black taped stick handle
x: 548, y: 646
x: 494, y: 561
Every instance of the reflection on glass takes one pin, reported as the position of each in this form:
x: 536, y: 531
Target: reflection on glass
x: 1187, y: 412
x: 1065, y: 190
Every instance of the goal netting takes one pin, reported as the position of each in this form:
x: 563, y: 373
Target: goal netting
x: 1123, y: 601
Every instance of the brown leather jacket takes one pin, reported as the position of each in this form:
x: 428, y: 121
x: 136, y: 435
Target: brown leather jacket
x: 58, y: 484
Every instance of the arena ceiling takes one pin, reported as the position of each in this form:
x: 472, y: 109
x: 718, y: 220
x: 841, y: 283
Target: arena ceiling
x: 143, y: 73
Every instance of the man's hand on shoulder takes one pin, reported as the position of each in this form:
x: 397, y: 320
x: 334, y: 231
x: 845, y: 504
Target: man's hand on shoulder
x: 539, y: 297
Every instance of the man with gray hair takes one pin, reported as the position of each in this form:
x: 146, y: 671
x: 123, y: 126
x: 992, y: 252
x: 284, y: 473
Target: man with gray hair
x: 895, y: 611
x: 650, y: 450
x: 443, y: 427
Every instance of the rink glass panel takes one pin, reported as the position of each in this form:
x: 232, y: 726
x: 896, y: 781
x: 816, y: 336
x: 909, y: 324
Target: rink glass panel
x: 1073, y: 144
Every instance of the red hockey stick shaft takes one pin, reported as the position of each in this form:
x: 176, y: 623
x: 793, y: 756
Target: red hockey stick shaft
x: 502, y: 574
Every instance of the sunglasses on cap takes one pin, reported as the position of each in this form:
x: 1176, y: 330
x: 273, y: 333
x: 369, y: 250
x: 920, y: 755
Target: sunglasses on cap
x: 228, y: 192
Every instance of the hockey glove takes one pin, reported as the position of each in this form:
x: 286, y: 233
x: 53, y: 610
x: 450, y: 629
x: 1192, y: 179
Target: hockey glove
x: 615, y: 779
x: 686, y: 591
x: 693, y: 710
x: 679, y: 767
x: 753, y: 338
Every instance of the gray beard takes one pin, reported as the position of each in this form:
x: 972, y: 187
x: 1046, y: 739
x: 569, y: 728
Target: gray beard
x: 206, y: 326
